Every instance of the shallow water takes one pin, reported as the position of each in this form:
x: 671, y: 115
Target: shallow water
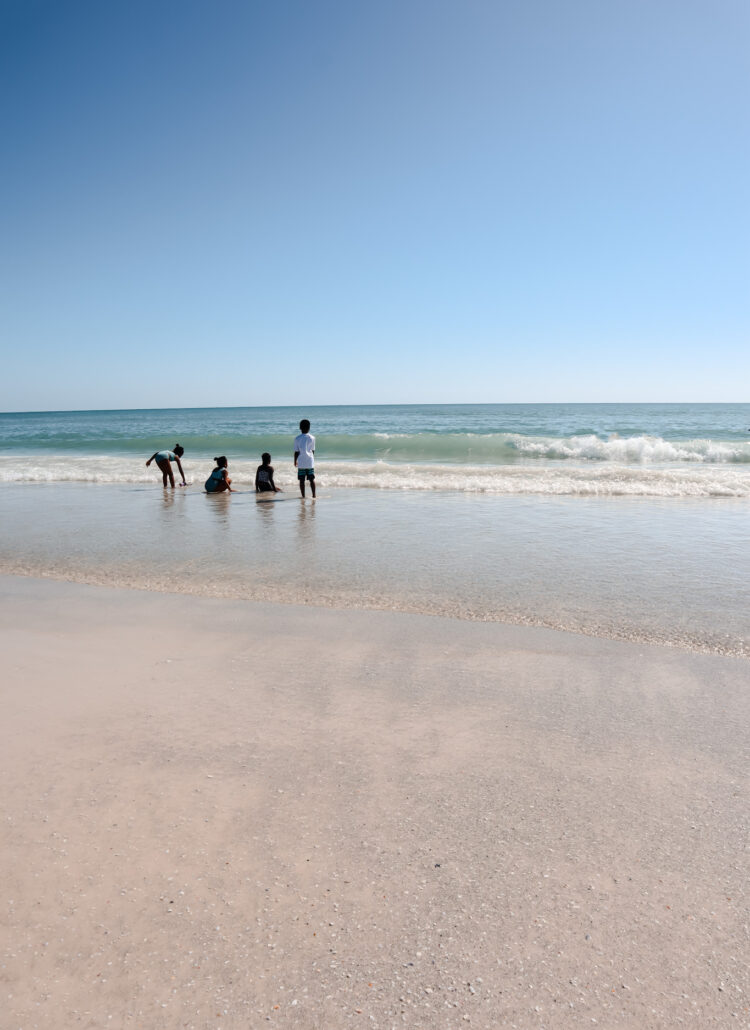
x: 674, y: 571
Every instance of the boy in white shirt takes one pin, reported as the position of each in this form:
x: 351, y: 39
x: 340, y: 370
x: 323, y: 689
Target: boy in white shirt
x: 304, y: 457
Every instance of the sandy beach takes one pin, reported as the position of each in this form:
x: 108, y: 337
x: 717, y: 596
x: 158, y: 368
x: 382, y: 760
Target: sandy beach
x: 223, y: 814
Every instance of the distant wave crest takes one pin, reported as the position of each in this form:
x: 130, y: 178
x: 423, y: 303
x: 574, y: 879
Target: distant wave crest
x: 642, y: 450
x: 512, y: 448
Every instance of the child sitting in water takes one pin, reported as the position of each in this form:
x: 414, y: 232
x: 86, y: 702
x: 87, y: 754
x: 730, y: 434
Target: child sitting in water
x: 164, y: 460
x: 219, y: 479
x: 264, y: 476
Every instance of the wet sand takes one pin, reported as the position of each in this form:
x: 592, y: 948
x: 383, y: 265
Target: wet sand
x: 635, y: 569
x: 224, y: 814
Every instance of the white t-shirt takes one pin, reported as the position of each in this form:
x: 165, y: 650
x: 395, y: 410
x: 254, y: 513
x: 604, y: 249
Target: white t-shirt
x: 305, y: 444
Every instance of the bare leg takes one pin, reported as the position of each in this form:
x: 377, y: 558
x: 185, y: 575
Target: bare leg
x: 165, y: 467
x: 312, y: 486
x: 302, y: 486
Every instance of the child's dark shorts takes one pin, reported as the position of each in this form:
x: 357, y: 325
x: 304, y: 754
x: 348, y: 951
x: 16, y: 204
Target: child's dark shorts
x: 306, y: 474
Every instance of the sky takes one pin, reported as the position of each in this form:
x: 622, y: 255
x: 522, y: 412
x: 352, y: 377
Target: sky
x: 329, y: 202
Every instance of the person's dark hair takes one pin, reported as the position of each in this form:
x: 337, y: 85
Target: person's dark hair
x: 304, y: 425
x: 179, y: 451
x: 265, y: 458
x: 221, y: 462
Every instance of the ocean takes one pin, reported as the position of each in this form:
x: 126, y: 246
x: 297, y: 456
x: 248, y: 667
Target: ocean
x: 618, y: 520
x: 652, y: 450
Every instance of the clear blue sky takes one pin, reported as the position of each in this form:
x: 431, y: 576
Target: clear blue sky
x: 351, y: 201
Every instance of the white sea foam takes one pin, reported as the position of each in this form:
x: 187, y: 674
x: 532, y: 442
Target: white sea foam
x: 611, y: 480
x: 599, y: 478
x: 509, y: 448
x: 633, y: 449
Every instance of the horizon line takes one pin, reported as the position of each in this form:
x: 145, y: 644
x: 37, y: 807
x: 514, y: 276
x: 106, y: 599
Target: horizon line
x: 387, y: 404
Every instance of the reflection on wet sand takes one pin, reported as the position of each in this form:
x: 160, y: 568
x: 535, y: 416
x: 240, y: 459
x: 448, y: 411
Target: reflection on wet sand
x: 219, y: 505
x: 642, y: 569
x: 306, y: 521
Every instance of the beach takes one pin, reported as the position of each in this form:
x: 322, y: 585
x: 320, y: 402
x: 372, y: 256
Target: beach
x: 375, y: 517
x: 228, y: 813
x: 458, y: 742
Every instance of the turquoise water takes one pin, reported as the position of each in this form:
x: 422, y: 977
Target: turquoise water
x: 669, y: 450
x: 437, y: 432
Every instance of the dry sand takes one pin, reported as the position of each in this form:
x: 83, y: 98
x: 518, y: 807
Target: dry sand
x: 224, y: 814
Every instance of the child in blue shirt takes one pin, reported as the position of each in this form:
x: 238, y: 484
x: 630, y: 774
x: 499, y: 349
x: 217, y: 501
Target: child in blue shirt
x: 164, y: 461
x: 219, y: 480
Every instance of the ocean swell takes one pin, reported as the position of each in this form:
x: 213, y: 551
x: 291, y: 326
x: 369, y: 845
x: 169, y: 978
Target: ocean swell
x: 420, y: 448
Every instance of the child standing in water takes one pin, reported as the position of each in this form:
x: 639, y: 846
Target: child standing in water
x: 164, y: 460
x: 264, y: 483
x: 304, y: 457
x: 219, y: 480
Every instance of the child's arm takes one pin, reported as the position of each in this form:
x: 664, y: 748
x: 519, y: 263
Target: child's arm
x: 179, y: 466
x: 257, y: 484
x: 151, y: 458
x: 296, y: 455
x: 276, y: 489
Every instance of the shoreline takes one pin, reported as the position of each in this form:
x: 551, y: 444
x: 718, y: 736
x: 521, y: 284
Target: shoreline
x: 739, y: 650
x: 224, y: 813
x: 675, y: 573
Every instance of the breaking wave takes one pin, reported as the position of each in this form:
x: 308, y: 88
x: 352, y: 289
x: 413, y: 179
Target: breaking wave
x: 419, y: 447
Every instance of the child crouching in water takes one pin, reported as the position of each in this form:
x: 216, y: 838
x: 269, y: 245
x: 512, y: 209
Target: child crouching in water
x: 264, y: 476
x: 164, y: 461
x: 219, y: 479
